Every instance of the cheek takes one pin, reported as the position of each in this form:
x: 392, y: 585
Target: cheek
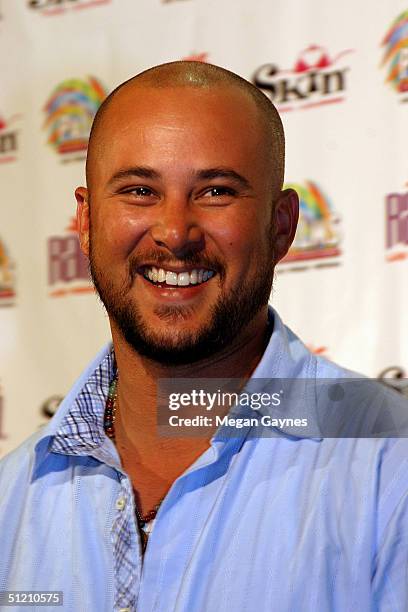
x: 243, y: 239
x: 116, y: 231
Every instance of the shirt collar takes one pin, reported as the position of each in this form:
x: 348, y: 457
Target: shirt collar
x: 285, y: 360
x: 81, y: 430
x: 77, y: 426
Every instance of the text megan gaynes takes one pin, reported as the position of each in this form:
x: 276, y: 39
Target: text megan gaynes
x: 207, y: 400
x: 227, y: 421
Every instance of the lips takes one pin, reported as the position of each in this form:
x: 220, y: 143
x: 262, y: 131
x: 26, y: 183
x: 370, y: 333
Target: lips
x: 182, y: 278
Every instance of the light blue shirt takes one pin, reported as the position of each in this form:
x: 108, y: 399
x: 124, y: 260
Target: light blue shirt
x: 289, y: 523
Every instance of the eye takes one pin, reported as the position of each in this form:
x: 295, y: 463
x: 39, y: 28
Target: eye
x: 218, y: 192
x: 138, y: 195
x: 140, y: 191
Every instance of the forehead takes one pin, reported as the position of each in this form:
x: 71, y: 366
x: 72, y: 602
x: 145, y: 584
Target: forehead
x: 190, y: 122
x: 141, y: 102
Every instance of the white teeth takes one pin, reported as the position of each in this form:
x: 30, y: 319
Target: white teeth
x: 182, y: 279
x: 161, y: 277
x: 171, y: 278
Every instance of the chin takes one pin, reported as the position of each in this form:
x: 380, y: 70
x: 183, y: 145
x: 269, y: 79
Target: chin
x: 170, y: 349
x: 174, y: 313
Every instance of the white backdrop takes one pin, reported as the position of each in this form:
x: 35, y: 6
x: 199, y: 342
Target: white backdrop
x: 339, y: 74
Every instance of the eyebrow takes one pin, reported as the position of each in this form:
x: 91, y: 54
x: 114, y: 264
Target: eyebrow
x: 226, y: 173
x: 207, y: 174
x: 134, y: 172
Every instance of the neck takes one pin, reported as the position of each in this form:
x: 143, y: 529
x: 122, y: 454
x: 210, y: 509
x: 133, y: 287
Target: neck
x: 137, y: 372
x: 152, y: 461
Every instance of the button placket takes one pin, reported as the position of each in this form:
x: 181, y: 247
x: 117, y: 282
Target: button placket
x: 124, y: 538
x: 120, y: 503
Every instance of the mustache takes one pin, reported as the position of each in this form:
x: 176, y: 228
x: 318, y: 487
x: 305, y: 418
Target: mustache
x: 160, y: 259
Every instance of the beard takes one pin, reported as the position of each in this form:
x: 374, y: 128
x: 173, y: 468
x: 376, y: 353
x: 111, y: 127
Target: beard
x: 227, y: 317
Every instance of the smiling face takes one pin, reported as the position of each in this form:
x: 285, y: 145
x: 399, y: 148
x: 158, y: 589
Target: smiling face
x: 178, y: 219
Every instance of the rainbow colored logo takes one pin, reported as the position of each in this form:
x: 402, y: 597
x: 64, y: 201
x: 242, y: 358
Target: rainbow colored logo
x: 318, y: 233
x: 70, y: 111
x: 396, y: 53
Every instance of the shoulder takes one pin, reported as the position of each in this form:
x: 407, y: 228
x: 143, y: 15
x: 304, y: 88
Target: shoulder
x: 16, y: 469
x: 21, y: 457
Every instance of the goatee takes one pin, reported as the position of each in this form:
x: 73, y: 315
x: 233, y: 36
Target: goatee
x: 227, y: 318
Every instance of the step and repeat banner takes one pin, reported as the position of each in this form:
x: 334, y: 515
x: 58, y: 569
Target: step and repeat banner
x: 338, y: 74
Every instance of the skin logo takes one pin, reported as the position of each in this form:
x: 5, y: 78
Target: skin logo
x: 316, y: 78
x: 7, y: 280
x: 396, y: 226
x: 70, y: 111
x: 8, y: 139
x: 67, y: 265
x: 58, y: 7
x: 318, y: 234
x: 395, y: 58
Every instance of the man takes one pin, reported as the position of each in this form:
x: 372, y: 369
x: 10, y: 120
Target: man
x: 184, y: 219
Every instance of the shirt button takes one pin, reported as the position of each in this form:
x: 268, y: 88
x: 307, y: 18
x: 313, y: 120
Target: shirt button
x: 124, y: 610
x: 120, y: 504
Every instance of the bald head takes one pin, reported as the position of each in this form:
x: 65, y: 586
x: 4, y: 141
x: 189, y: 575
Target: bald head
x: 198, y: 75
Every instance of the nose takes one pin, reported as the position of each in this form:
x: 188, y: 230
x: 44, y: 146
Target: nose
x: 177, y: 228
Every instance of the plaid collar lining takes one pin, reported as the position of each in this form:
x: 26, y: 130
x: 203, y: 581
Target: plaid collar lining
x: 82, y: 427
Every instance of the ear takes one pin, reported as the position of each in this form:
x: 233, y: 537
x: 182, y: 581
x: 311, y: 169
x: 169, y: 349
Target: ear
x: 285, y: 217
x: 82, y: 215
